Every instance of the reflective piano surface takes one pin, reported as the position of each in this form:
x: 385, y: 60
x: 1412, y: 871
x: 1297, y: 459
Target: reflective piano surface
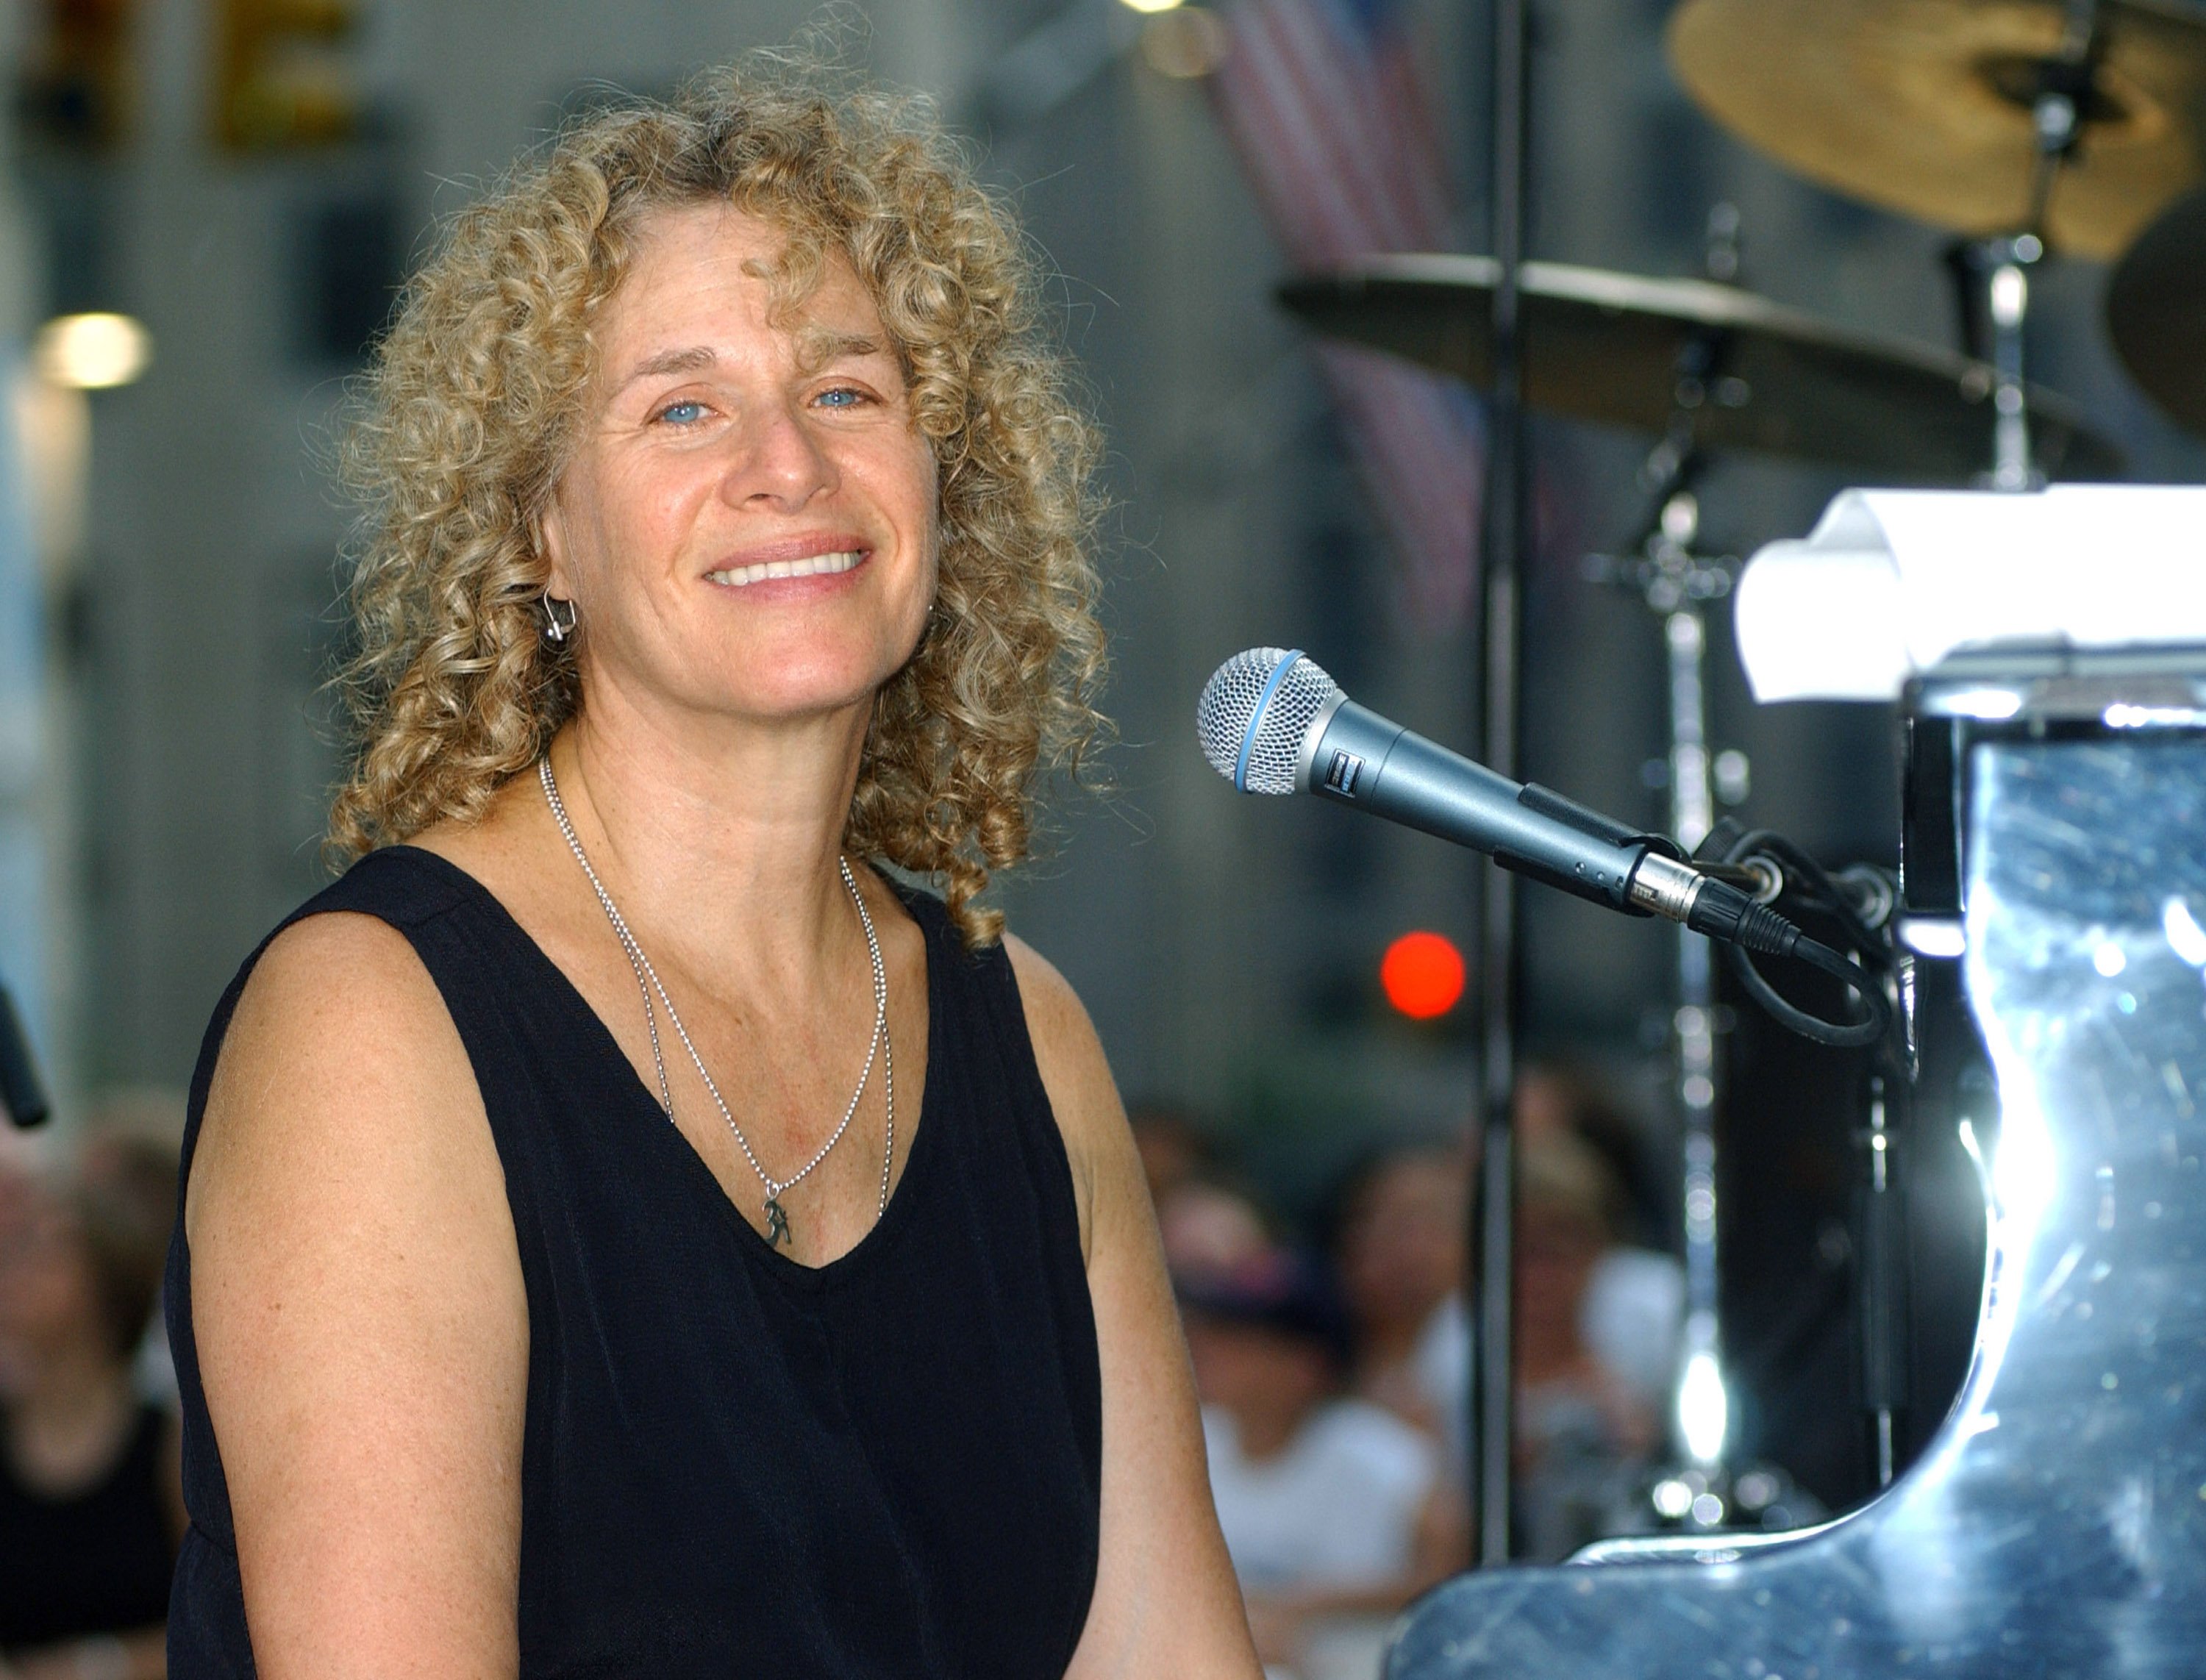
x: 2056, y: 1525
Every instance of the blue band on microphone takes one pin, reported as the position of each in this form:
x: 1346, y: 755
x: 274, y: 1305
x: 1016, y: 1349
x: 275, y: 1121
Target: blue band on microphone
x: 1256, y: 718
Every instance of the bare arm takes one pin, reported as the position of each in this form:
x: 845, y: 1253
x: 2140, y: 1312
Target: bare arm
x: 361, y: 1318
x: 1165, y: 1599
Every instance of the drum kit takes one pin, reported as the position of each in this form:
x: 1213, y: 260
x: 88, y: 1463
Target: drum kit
x: 2030, y: 130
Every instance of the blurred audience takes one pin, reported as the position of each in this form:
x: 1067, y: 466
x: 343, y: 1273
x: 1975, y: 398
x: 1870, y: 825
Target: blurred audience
x: 1598, y: 1318
x: 1584, y: 1428
x: 1333, y: 1509
x: 1554, y: 1096
x: 1209, y: 1230
x: 91, y: 1507
x: 1401, y: 1243
x: 1173, y: 1149
x: 1634, y: 1305
x: 1336, y: 1398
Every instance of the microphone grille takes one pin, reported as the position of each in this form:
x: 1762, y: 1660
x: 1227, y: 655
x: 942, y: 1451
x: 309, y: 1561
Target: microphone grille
x: 1255, y: 713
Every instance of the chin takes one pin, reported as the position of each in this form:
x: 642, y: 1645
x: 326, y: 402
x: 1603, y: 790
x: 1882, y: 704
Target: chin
x: 789, y: 688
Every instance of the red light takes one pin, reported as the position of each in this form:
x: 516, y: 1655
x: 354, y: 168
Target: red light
x: 1422, y: 974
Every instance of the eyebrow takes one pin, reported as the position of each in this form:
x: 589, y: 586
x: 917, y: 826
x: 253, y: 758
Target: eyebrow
x: 694, y: 360
x: 818, y: 346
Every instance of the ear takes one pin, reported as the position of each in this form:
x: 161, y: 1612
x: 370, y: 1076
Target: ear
x: 548, y: 530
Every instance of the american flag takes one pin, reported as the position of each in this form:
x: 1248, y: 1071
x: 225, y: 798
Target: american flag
x: 1324, y: 106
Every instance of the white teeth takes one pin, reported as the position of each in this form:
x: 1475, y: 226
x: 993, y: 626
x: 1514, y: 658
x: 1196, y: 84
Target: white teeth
x: 816, y: 565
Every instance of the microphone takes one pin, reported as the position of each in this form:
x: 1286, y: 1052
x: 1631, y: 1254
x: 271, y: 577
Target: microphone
x: 1271, y: 722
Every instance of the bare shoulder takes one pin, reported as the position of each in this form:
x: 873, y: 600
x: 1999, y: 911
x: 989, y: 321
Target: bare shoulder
x: 1077, y: 1075
x: 359, y: 1312
x: 1053, y: 1008
x: 338, y: 1018
x: 1066, y: 1049
x: 343, y: 1095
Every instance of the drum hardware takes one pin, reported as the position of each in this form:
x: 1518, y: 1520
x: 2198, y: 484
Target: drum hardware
x: 2074, y: 121
x: 1698, y: 1488
x: 1663, y: 565
x: 2001, y: 266
x: 1997, y: 271
x: 1676, y: 582
x: 2031, y: 127
x: 1665, y: 568
x: 1615, y: 350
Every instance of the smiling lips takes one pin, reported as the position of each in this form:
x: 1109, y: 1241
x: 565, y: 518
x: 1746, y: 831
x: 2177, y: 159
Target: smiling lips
x: 811, y: 565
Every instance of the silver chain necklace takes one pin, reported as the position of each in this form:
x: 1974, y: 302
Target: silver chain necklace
x: 647, y: 981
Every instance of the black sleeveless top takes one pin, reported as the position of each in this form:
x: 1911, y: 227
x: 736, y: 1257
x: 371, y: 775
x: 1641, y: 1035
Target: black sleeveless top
x: 94, y: 1562
x: 734, y: 1464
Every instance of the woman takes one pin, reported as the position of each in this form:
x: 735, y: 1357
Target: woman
x: 1334, y: 1508
x: 1582, y: 1434
x: 627, y: 1234
x: 90, y: 1508
x: 1400, y: 1247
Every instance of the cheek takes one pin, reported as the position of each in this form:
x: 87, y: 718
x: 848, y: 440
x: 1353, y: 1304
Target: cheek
x: 605, y: 528
x: 907, y: 487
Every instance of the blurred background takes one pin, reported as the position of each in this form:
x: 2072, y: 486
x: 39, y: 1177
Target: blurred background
x: 247, y: 182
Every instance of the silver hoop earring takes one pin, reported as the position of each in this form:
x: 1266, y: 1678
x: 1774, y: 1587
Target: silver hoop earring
x: 552, y: 628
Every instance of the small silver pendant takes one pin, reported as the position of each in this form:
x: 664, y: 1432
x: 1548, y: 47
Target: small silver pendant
x: 777, y: 1224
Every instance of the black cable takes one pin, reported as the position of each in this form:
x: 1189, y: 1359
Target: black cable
x: 1824, y: 894
x: 1843, y: 1035
x: 1723, y: 912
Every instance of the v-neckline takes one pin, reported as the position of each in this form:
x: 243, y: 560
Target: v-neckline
x: 646, y: 1102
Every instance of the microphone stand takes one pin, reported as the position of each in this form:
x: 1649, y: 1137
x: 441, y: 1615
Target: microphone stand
x: 1493, y: 1432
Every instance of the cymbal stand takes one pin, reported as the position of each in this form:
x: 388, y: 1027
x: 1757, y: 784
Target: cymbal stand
x: 1677, y: 583
x: 1995, y: 273
x: 1994, y: 276
x: 1700, y: 1486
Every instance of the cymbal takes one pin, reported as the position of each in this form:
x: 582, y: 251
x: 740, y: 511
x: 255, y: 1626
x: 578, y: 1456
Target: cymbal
x: 1609, y: 347
x: 2156, y: 311
x: 1924, y: 106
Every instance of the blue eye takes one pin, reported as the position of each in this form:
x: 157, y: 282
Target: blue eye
x: 682, y: 414
x: 841, y: 396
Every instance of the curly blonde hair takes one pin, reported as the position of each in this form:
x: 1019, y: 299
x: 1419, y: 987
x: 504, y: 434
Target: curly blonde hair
x: 465, y: 419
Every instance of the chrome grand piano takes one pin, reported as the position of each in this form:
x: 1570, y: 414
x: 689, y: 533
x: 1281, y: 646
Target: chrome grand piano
x: 2051, y: 650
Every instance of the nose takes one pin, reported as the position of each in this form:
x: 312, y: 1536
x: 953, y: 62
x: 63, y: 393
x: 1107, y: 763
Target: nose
x: 779, y: 460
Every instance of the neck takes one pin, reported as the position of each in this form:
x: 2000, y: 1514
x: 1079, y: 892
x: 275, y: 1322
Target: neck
x: 712, y: 837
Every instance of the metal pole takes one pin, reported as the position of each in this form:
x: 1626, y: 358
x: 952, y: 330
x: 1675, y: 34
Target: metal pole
x: 1492, y: 1431
x: 1702, y: 1418
x: 2008, y: 286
